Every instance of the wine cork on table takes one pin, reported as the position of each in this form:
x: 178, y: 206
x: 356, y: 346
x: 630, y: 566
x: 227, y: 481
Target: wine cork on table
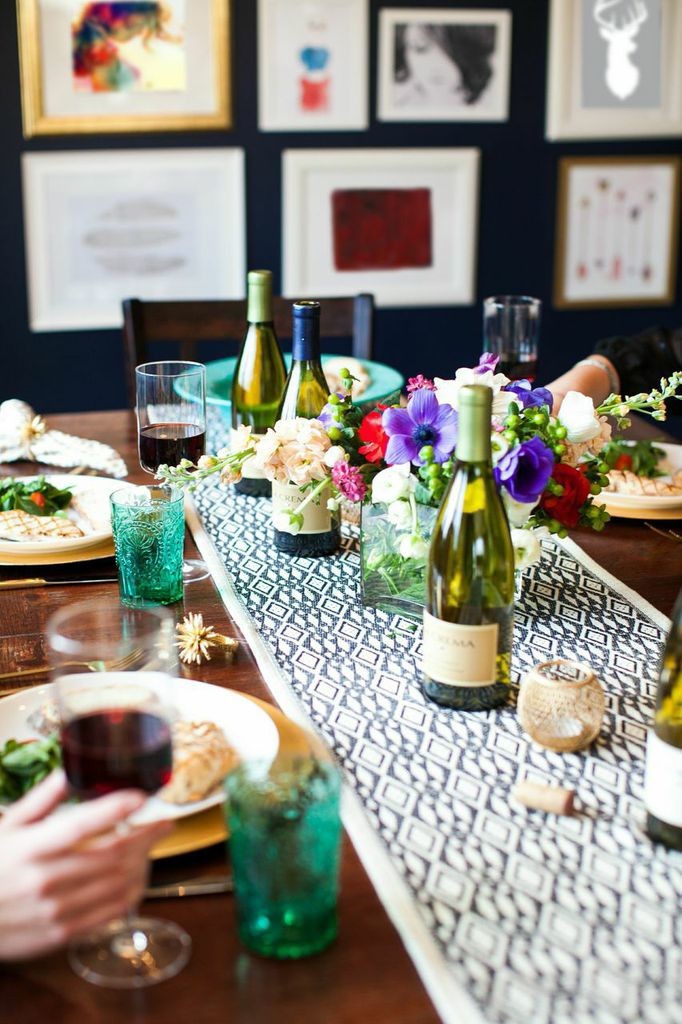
x: 540, y: 797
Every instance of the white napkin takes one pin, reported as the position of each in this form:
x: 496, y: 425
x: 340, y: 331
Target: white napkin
x: 23, y: 435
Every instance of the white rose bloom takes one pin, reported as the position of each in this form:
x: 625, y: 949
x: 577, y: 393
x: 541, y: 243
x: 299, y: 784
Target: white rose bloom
x: 447, y: 391
x: 334, y: 455
x: 400, y: 514
x: 414, y: 547
x: 281, y: 522
x: 526, y: 548
x: 392, y: 483
x: 517, y: 511
x: 578, y: 416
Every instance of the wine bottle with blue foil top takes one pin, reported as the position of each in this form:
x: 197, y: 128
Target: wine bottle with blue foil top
x: 259, y: 377
x: 468, y: 615
x: 663, y: 774
x: 305, y: 394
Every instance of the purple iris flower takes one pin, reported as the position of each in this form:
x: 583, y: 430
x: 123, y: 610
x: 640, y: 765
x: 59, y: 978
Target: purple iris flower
x: 528, y: 396
x: 525, y: 470
x: 423, y: 422
x: 488, y: 361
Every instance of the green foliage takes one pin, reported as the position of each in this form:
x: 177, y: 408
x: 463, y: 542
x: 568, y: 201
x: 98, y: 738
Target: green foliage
x: 17, y: 494
x: 24, y: 765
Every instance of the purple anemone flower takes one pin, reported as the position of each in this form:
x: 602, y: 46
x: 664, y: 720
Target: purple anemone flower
x: 327, y: 416
x: 423, y: 422
x: 487, y: 362
x: 525, y: 470
x: 528, y: 396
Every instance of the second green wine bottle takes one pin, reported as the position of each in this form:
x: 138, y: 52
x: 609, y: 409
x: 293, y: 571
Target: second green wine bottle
x: 259, y: 376
x: 468, y: 616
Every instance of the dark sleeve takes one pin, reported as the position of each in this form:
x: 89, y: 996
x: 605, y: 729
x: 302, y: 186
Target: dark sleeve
x: 642, y: 359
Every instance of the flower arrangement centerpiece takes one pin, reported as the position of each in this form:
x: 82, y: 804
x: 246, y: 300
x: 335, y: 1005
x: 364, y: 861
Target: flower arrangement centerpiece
x: 397, y: 460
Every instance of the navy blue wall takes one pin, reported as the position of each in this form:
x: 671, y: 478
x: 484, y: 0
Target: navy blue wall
x: 82, y: 370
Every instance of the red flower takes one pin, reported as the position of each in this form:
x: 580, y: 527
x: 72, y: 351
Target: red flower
x: 374, y: 436
x: 566, y: 508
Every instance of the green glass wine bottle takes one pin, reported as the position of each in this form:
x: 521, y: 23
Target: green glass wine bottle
x: 663, y: 775
x: 468, y: 615
x: 259, y: 376
x: 305, y: 394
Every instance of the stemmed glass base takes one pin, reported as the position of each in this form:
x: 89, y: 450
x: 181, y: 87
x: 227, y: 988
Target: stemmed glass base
x: 194, y: 570
x: 131, y: 953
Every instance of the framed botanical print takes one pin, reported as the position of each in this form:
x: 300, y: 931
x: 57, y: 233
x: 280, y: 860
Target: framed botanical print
x: 617, y: 231
x: 399, y: 223
x: 107, y: 225
x: 444, y: 65
x: 124, y: 65
x: 312, y: 65
x: 614, y: 69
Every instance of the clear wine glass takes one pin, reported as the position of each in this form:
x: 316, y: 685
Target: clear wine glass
x: 171, y: 424
x: 112, y: 668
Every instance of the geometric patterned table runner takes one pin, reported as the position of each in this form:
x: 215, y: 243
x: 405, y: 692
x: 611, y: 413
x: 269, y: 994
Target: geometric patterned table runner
x: 509, y: 914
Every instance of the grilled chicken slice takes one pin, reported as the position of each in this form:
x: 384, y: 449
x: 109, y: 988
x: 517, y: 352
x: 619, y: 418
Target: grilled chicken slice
x: 625, y: 482
x: 18, y: 525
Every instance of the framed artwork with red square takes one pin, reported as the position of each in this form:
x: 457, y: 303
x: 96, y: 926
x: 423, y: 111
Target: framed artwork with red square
x: 399, y: 223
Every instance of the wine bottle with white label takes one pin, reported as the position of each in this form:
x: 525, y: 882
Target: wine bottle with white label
x: 663, y: 775
x: 305, y: 394
x: 259, y: 377
x: 468, y: 616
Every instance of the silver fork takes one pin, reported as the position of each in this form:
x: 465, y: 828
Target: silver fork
x: 115, y: 665
x: 667, y: 532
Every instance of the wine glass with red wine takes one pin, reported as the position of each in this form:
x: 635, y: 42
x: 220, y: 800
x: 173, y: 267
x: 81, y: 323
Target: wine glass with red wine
x: 171, y: 424
x: 511, y: 329
x: 112, y: 669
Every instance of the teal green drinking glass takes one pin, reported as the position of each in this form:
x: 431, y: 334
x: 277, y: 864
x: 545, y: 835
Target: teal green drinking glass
x: 284, y: 825
x: 148, y: 524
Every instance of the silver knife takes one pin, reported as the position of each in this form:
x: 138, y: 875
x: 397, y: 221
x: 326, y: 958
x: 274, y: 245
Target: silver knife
x: 38, y: 581
x: 202, y: 886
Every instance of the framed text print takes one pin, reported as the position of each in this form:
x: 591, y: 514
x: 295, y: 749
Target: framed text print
x: 124, y: 65
x: 617, y: 231
x: 312, y: 64
x: 399, y: 223
x: 614, y: 69
x: 444, y: 64
x: 105, y: 225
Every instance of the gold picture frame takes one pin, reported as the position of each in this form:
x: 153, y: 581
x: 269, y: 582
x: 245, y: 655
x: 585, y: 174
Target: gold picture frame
x: 617, y: 231
x: 98, y: 114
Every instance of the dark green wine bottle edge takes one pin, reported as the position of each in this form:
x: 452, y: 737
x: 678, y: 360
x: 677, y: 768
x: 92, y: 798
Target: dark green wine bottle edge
x: 308, y: 545
x: 465, y: 698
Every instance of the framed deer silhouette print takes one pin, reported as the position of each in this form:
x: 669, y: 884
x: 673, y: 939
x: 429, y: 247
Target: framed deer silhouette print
x: 614, y: 69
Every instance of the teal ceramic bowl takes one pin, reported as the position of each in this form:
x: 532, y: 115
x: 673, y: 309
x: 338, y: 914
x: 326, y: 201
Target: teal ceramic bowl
x: 384, y: 381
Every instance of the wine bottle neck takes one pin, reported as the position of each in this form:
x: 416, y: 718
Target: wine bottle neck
x: 305, y: 342
x: 259, y: 307
x: 473, y: 440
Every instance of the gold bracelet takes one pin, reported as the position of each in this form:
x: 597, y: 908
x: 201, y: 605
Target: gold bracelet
x: 612, y: 376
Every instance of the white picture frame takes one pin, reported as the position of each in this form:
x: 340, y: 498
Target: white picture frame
x: 640, y: 79
x: 438, y: 64
x: 312, y: 65
x: 106, y: 225
x: 333, y: 201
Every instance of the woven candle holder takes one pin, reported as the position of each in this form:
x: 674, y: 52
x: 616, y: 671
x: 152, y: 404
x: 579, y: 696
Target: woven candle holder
x: 561, y: 705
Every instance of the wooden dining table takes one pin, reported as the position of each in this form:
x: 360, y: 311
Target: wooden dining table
x: 367, y: 974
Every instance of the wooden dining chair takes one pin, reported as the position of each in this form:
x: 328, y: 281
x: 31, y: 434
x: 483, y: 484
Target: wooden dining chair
x: 188, y: 323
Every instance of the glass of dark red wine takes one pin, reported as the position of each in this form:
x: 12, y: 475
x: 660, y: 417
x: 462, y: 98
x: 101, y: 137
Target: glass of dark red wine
x: 171, y: 424
x: 511, y: 330
x: 113, y: 674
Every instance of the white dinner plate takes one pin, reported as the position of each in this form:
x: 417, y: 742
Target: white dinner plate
x: 247, y: 728
x: 93, y: 494
x: 632, y: 504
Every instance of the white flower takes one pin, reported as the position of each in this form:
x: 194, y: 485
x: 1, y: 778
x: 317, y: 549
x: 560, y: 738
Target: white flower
x: 283, y: 523
x: 400, y: 514
x: 578, y: 416
x: 517, y: 511
x: 526, y: 548
x: 393, y: 483
x: 499, y: 445
x: 447, y: 391
x: 414, y: 547
x: 333, y: 504
x: 334, y: 455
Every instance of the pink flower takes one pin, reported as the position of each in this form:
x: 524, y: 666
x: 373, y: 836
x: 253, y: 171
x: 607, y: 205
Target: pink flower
x: 419, y: 382
x: 349, y: 481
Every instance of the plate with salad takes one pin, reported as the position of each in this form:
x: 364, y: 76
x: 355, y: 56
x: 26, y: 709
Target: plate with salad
x: 645, y: 479
x: 58, y: 514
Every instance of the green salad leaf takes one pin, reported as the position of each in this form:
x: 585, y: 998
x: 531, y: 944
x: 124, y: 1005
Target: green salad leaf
x: 640, y: 457
x: 36, y: 496
x: 24, y: 765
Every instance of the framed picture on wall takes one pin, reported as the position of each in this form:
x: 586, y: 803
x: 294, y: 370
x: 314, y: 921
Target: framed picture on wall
x: 400, y: 223
x: 617, y: 231
x: 312, y: 65
x: 614, y: 69
x: 124, y: 66
x: 444, y: 65
x: 105, y: 225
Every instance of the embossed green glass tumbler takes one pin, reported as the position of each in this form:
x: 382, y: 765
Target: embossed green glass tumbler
x: 148, y: 524
x: 285, y: 833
